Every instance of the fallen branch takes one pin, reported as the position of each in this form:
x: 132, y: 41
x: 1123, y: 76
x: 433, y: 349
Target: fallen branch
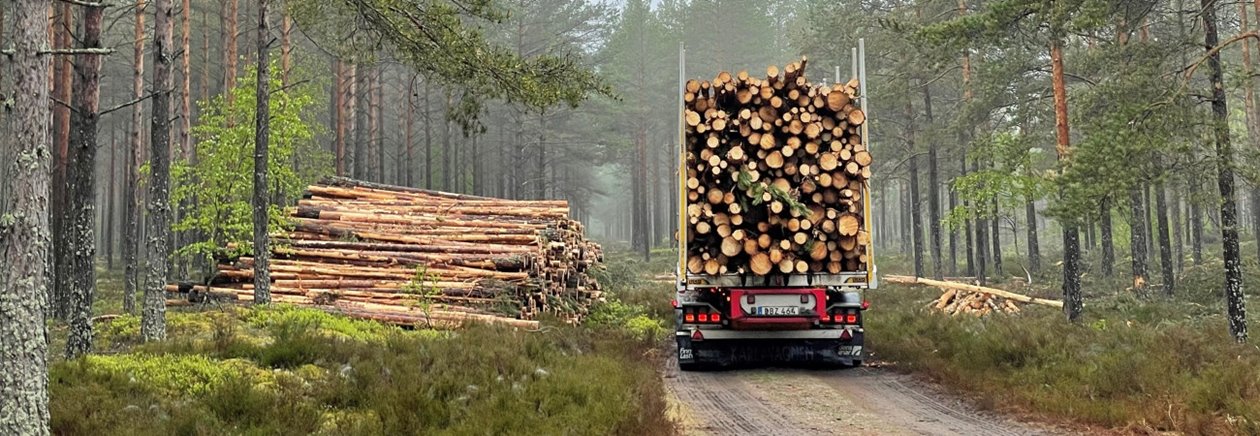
x: 908, y: 280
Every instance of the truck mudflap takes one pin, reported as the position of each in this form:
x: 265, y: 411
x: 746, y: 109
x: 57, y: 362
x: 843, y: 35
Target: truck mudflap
x: 736, y: 353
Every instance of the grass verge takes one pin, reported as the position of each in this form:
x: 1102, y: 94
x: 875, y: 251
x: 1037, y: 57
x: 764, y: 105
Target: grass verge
x: 1137, y: 364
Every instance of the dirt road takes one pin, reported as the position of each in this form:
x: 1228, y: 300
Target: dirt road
x: 862, y: 401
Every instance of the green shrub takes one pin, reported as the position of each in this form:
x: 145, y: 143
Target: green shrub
x: 168, y: 374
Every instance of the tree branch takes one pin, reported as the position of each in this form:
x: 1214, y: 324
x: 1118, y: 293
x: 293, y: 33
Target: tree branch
x: 86, y: 4
x: 125, y: 105
x: 63, y: 104
x: 289, y: 86
x: 1192, y: 67
x: 78, y: 51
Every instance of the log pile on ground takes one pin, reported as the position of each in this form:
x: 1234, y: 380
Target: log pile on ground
x: 955, y: 302
x: 959, y: 298
x: 413, y: 256
x: 776, y: 174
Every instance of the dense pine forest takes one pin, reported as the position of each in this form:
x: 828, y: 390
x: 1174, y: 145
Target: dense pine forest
x: 1110, y: 143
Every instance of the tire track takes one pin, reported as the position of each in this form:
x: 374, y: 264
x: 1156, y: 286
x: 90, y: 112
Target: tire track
x: 724, y: 404
x: 859, y: 401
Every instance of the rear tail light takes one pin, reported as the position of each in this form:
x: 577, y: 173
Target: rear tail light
x: 701, y: 315
x: 843, y: 316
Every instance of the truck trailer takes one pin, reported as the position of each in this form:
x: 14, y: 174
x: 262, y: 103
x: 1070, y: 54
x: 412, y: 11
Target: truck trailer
x: 776, y: 251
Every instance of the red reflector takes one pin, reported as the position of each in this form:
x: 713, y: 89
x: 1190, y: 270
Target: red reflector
x: 844, y: 335
x: 690, y: 317
x: 851, y: 318
x: 697, y: 336
x: 674, y: 302
x: 866, y: 305
x: 715, y: 318
x: 704, y: 317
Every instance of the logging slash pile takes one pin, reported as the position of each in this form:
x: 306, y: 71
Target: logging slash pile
x: 414, y: 256
x: 776, y: 173
x: 956, y: 302
x: 959, y: 298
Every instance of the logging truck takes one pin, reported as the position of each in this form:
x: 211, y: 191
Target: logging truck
x: 774, y: 217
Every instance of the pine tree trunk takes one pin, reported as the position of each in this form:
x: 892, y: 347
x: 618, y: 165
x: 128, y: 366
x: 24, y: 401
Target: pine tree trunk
x: 933, y: 191
x: 1147, y: 222
x: 953, y: 236
x: 903, y: 218
x: 1104, y: 233
x: 641, y: 207
x: 967, y: 226
x: 541, y: 187
x: 378, y: 120
x: 286, y: 46
x: 1089, y: 234
x: 1255, y: 216
x: 339, y: 117
x: 1073, y: 303
x: 996, y: 225
x: 982, y: 239
x: 1034, y: 246
x: 205, y: 52
x: 1234, y: 299
x: 428, y: 138
x: 131, y: 212
x: 4, y: 151
x: 962, y: 143
x: 111, y: 201
x: 80, y: 210
x: 62, y: 69
x: 1178, y: 241
x: 360, y: 89
x: 24, y: 235
x: 158, y: 221
x: 262, y: 132
x: 1196, y: 224
x: 916, y: 212
x: 185, y: 103
x: 1165, y: 246
x: 408, y: 141
x: 228, y: 20
x: 1137, y: 239
x: 447, y: 137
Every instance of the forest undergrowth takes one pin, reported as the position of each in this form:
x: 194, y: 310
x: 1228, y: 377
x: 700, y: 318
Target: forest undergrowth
x: 1139, y: 363
x: 286, y: 370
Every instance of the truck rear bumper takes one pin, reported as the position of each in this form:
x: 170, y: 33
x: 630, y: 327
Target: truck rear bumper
x: 738, y: 348
x: 813, y: 334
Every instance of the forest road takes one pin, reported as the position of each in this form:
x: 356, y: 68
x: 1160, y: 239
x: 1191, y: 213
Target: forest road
x: 858, y: 401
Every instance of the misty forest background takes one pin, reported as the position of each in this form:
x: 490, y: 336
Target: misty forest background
x: 968, y: 178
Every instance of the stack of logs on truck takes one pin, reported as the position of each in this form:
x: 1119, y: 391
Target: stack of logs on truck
x: 414, y: 256
x: 776, y: 170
